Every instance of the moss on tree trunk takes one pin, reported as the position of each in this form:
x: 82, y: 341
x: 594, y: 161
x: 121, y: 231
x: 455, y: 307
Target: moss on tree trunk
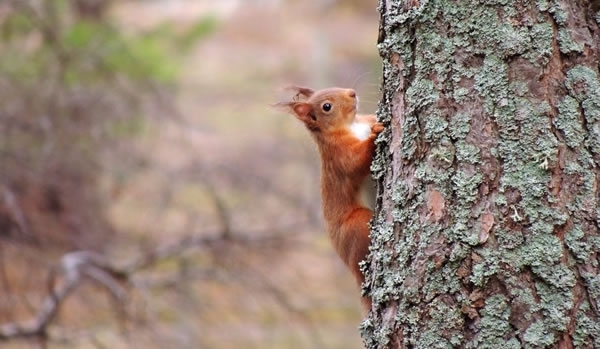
x: 487, y: 233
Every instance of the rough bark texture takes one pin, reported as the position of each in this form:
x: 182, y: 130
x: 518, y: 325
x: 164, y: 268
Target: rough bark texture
x: 487, y: 233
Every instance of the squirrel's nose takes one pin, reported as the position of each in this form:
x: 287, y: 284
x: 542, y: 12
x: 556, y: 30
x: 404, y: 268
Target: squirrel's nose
x: 351, y: 93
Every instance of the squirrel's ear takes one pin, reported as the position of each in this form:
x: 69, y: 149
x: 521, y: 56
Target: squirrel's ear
x: 302, y: 110
x: 301, y: 92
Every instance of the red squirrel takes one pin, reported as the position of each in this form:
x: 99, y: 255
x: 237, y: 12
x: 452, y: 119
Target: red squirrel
x: 346, y: 143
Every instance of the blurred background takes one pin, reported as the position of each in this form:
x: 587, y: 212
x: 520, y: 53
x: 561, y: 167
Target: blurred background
x: 150, y: 197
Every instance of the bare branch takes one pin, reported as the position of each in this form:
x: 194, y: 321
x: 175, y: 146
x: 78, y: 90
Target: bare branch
x: 76, y: 266
x: 17, y: 213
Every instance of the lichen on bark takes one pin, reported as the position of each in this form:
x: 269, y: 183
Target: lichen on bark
x: 486, y: 233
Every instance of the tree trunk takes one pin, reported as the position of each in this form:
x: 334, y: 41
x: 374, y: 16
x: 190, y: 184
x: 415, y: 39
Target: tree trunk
x: 487, y: 233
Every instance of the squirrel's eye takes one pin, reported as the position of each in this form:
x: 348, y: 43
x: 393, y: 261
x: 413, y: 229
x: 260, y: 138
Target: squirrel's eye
x: 326, y: 107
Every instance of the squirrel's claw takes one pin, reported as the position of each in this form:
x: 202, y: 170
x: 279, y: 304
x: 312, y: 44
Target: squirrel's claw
x: 377, y: 128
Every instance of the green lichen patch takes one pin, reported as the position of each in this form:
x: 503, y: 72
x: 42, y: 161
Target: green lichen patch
x: 592, y: 141
x: 538, y: 336
x: 446, y: 327
x: 427, y: 174
x: 559, y: 275
x: 460, y: 231
x: 530, y: 179
x: 378, y: 166
x: 435, y: 128
x: 494, y: 326
x: 500, y: 199
x: 437, y: 53
x: 460, y: 94
x: 512, y: 41
x: 592, y: 283
x: 555, y: 304
x: 478, y: 26
x: 542, y: 5
x: 587, y: 330
x: 421, y: 94
x: 410, y: 135
x: 523, y: 298
x: 568, y: 121
x: 539, y: 251
x: 583, y: 84
x: 460, y: 126
x: 399, y: 216
x: 385, y: 232
x: 558, y: 13
x: 519, y: 88
x: 579, y: 247
x: 466, y: 184
x: 390, y: 288
x: 443, y: 156
x: 541, y: 37
x: 492, y: 83
x: 581, y: 172
x: 566, y: 44
x: 375, y: 335
x: 467, y: 152
x: 489, y: 266
x: 440, y: 281
x: 496, y: 2
x: 509, y: 239
x: 459, y: 252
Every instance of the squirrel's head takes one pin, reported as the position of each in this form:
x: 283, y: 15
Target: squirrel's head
x: 323, y: 110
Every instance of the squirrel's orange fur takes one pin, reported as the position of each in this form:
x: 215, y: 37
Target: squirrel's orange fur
x: 345, y: 163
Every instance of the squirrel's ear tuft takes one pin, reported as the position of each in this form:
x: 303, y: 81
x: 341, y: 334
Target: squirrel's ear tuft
x: 300, y: 109
x: 283, y: 106
x: 302, y: 93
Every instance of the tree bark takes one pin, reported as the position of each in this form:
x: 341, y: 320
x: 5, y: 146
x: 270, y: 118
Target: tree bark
x: 487, y: 232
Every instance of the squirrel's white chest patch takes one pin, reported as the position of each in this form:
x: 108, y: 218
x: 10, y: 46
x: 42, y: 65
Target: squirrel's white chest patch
x: 360, y: 130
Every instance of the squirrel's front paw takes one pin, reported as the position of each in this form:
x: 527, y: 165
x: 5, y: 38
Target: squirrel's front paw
x: 377, y: 127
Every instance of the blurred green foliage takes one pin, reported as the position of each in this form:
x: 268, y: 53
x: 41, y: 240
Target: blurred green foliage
x: 76, y: 82
x: 88, y: 50
x: 75, y: 88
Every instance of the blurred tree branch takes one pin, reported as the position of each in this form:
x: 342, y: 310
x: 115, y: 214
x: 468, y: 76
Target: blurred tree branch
x: 74, y: 267
x: 79, y: 266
